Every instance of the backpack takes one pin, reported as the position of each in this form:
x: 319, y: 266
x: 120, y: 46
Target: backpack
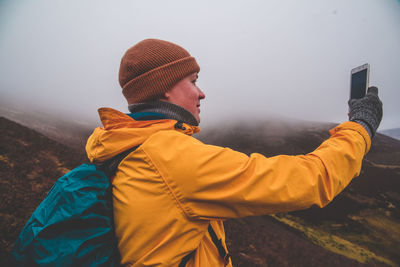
x: 73, y: 225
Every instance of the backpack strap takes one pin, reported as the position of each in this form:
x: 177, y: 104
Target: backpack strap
x: 186, y: 259
x: 218, y: 243
x: 110, y: 166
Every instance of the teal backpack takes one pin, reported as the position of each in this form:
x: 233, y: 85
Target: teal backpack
x: 73, y: 225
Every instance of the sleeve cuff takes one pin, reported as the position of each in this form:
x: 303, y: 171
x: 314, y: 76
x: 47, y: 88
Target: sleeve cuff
x: 366, y: 127
x: 350, y: 125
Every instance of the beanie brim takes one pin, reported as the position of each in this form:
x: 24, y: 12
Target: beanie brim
x: 153, y: 84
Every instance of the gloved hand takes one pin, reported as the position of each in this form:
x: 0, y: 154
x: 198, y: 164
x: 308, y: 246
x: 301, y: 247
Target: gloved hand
x: 367, y: 111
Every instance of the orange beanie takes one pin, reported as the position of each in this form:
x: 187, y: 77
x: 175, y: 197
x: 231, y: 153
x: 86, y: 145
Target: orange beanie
x: 151, y: 68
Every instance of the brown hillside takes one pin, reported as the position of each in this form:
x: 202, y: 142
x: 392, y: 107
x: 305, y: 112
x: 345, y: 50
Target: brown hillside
x: 67, y: 131
x: 29, y: 165
x: 365, y: 215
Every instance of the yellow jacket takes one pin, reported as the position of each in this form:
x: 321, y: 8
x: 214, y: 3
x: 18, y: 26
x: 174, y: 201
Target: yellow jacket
x: 166, y: 192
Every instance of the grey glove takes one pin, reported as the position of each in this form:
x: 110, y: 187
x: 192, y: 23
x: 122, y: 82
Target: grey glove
x: 367, y: 111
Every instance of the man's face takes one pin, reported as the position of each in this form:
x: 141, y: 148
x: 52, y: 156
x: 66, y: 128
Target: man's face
x: 187, y: 95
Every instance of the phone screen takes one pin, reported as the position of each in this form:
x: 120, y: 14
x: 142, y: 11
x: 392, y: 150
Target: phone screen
x: 359, y: 84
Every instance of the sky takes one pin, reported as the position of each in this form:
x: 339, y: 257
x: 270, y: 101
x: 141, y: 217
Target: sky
x: 258, y: 59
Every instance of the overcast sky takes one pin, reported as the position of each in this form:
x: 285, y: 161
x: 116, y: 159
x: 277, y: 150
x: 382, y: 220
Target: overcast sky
x: 257, y: 58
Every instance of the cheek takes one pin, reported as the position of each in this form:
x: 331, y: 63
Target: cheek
x: 194, y: 93
x: 194, y: 98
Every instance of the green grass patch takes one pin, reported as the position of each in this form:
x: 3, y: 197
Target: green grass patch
x: 334, y: 243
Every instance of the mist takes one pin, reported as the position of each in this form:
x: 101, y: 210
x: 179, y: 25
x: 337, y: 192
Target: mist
x: 258, y: 59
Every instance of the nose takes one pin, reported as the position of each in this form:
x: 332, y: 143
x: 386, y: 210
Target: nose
x: 201, y: 94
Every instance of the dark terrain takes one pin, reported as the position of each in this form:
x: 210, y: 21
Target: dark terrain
x: 30, y: 163
x: 365, y: 214
x: 70, y: 132
x: 395, y: 133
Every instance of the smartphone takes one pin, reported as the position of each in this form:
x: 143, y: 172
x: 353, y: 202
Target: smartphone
x: 359, y: 81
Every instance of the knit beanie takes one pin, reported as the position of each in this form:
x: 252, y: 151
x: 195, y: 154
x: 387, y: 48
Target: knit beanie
x: 152, y: 67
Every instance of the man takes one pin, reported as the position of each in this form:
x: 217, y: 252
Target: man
x: 173, y: 192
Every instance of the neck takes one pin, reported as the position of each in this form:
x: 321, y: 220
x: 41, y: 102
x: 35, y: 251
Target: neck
x: 168, y: 109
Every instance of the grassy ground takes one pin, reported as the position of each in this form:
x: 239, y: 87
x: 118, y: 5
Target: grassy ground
x: 343, y: 246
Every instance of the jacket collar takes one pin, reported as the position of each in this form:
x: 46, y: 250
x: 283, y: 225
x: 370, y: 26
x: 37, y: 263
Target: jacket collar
x: 121, y: 132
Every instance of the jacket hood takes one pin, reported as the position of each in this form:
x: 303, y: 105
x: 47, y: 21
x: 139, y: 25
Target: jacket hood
x: 120, y: 132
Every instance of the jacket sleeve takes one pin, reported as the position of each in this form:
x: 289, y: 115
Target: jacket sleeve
x: 211, y: 182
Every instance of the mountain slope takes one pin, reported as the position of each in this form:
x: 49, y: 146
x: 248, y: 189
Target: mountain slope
x: 70, y: 132
x: 30, y: 163
x: 394, y: 133
x: 364, y: 219
x: 363, y: 215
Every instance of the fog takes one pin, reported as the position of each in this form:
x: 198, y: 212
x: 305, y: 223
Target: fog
x: 258, y: 58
